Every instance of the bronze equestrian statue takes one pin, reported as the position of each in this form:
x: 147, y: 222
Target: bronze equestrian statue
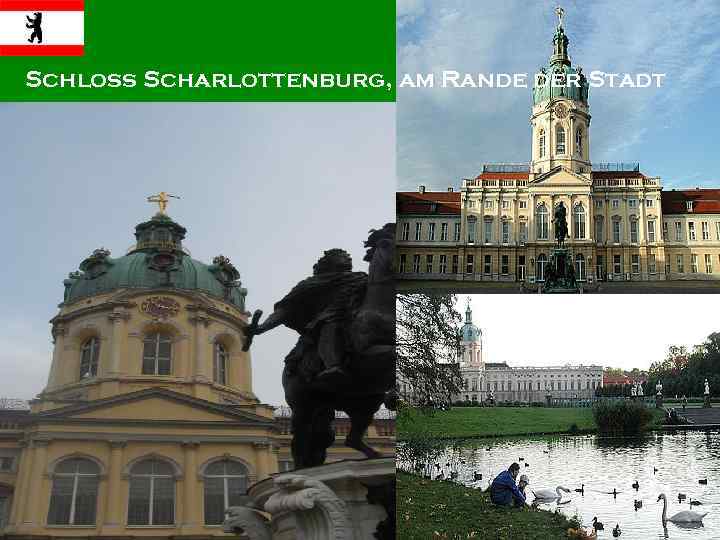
x: 344, y: 359
x: 560, y: 223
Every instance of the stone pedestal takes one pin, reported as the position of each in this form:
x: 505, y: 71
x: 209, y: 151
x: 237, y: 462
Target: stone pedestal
x: 347, y: 500
x: 658, y: 401
x: 706, y: 402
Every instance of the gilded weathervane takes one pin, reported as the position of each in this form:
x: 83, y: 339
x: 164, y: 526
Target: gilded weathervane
x: 560, y: 12
x: 162, y: 200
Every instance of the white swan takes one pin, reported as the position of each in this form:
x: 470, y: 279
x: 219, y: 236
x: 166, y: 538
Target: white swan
x: 686, y: 516
x: 549, y: 493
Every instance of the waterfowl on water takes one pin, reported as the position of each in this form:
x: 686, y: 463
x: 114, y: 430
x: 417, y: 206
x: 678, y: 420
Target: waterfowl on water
x: 655, y: 469
x: 686, y: 516
x: 703, y: 481
x: 477, y: 476
x: 616, y: 531
x: 440, y: 476
x: 527, y: 464
x: 453, y: 475
x: 521, y: 459
x: 695, y: 503
x: 637, y: 504
x: 681, y: 497
x: 636, y: 485
x: 581, y: 489
x: 487, y: 449
x: 546, y: 451
x: 598, y: 525
x: 549, y: 493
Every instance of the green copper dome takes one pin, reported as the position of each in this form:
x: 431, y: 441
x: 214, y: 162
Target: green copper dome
x: 559, y: 68
x: 158, y: 260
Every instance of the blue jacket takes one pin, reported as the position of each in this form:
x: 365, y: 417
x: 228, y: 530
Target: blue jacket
x: 504, y: 490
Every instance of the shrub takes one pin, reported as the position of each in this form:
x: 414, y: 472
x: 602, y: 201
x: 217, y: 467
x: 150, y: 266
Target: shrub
x: 574, y: 428
x: 621, y: 417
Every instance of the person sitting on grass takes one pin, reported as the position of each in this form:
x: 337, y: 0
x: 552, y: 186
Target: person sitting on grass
x: 504, y: 491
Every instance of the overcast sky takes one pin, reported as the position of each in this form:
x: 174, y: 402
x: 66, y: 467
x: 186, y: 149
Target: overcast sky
x: 447, y: 134
x: 269, y: 185
x: 623, y: 331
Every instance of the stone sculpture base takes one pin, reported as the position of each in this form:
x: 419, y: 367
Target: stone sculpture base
x: 706, y: 403
x: 658, y: 401
x: 560, y: 273
x: 347, y: 500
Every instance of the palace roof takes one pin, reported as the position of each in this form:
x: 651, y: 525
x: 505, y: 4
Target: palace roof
x: 428, y: 202
x: 704, y: 201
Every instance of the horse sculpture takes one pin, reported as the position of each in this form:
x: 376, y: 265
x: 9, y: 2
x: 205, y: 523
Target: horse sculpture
x: 345, y: 357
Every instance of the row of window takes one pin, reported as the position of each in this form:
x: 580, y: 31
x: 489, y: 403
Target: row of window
x: 560, y: 145
x: 156, y: 358
x: 617, y: 234
x: 632, y: 203
x: 489, y: 204
x: 528, y: 385
x: 151, y: 496
x: 431, y: 232
x: 691, y: 231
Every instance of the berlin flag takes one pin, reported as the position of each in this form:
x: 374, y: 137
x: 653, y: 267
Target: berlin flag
x: 42, y: 27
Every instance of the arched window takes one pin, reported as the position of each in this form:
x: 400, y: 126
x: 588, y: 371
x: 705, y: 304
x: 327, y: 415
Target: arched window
x: 541, y: 143
x: 73, y: 499
x: 540, y: 271
x: 541, y: 219
x: 220, y: 364
x: 152, y: 493
x: 579, y: 218
x: 89, y: 355
x: 157, y: 351
x: 579, y: 141
x: 226, y: 482
x: 580, y: 266
x: 560, y: 140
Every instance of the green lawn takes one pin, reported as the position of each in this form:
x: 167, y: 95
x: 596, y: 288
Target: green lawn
x: 445, y: 510
x: 460, y: 422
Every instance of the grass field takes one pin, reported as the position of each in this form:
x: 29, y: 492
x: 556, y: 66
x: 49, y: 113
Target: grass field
x: 461, y: 422
x: 444, y: 510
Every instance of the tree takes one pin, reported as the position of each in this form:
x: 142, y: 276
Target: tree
x: 428, y: 348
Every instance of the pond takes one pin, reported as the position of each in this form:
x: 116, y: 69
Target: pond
x: 682, y: 459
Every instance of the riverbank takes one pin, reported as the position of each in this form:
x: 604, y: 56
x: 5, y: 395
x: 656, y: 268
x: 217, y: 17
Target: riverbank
x: 445, y: 510
x: 465, y: 422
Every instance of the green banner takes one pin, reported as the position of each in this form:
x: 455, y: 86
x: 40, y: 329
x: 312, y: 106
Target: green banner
x: 215, y: 50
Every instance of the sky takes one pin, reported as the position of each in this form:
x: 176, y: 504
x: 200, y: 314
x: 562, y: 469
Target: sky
x: 620, y: 331
x: 271, y: 186
x: 445, y: 135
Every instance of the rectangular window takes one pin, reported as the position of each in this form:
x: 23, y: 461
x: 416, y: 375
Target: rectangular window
x: 488, y: 264
x: 717, y: 230
x: 6, y: 463
x: 406, y: 231
x: 678, y: 232
x: 505, y: 232
x: 523, y: 205
x: 523, y: 232
x: 521, y: 267
x: 456, y: 235
x: 455, y: 264
x: 418, y: 231
x: 616, y: 232
x: 694, y: 263
x: 616, y: 203
x: 471, y: 203
x: 429, y: 264
x: 505, y: 265
x: 691, y: 230
x: 431, y: 232
x: 443, y: 264
x: 488, y: 205
x: 665, y: 230
x: 651, y: 231
x: 708, y: 264
x: 599, y: 230
x: 598, y: 203
x: 416, y: 264
x: 471, y: 231
x: 470, y: 261
x: 632, y: 203
x: 649, y: 203
x: 488, y: 232
x: 444, y: 232
x: 680, y: 261
x: 505, y: 205
x: 403, y: 263
x: 652, y: 268
x: 633, y: 231
x: 705, y: 231
x: 635, y: 262
x: 617, y: 264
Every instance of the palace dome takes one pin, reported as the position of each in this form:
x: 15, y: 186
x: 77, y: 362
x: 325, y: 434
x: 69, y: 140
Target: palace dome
x: 560, y: 66
x: 157, y: 260
x: 470, y: 332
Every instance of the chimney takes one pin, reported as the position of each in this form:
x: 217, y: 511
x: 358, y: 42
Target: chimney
x: 451, y: 189
x: 421, y: 189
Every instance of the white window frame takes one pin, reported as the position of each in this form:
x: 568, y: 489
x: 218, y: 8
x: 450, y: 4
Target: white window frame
x: 431, y: 231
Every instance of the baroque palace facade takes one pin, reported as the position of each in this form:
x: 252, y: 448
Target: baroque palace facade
x: 621, y: 224
x: 148, y: 425
x: 481, y: 379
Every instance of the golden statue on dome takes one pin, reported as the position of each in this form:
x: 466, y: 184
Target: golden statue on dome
x: 162, y: 200
x: 560, y: 12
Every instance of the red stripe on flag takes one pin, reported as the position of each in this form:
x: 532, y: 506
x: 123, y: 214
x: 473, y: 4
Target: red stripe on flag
x: 42, y: 5
x: 41, y: 50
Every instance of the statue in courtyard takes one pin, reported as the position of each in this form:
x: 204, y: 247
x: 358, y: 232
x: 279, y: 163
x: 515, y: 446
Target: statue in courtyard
x: 633, y: 391
x: 707, y: 388
x: 560, y: 223
x: 640, y: 390
x: 344, y: 359
x: 658, y: 388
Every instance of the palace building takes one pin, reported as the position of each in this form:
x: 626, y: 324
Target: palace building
x: 622, y: 225
x: 483, y: 380
x: 148, y: 425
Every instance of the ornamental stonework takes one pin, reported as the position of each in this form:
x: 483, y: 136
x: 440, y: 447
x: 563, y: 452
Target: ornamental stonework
x: 160, y: 307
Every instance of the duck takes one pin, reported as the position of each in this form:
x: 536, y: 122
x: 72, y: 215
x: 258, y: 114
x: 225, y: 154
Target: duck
x: 487, y: 449
x: 616, y: 531
x: 636, y: 485
x: 581, y: 489
x: 681, y: 497
x: 703, y: 481
x: 598, y: 525
x: 521, y: 459
x: 694, y: 503
x: 453, y: 475
x: 477, y: 476
x: 440, y: 476
x: 527, y: 464
x: 549, y: 493
x: 637, y: 504
x: 655, y: 469
x: 686, y: 516
x: 546, y: 451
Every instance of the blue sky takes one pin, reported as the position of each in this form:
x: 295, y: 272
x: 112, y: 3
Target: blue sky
x: 446, y: 134
x: 269, y: 185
